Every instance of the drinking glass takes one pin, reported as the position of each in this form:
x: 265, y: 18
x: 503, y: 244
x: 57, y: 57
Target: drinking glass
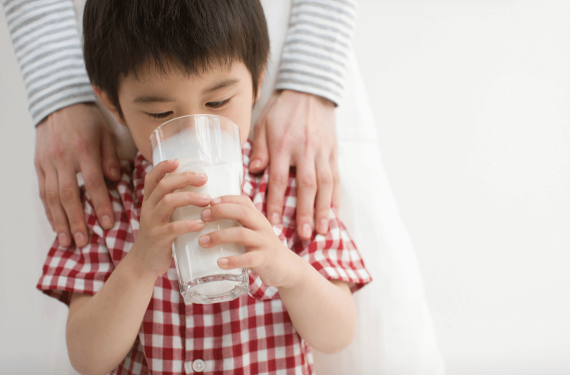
x: 204, y: 144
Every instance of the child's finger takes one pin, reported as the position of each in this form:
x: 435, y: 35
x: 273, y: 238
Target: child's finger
x: 176, y: 181
x: 246, y: 216
x: 178, y: 228
x: 156, y: 175
x: 171, y: 202
x: 241, y: 199
x: 241, y: 235
x: 249, y: 260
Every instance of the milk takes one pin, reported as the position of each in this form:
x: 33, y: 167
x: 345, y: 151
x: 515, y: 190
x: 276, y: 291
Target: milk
x: 194, y: 261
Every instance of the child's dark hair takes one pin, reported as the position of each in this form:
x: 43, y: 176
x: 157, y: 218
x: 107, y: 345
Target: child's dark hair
x: 194, y: 35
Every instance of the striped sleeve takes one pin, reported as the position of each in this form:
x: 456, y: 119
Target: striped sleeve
x: 47, y: 45
x: 316, y: 48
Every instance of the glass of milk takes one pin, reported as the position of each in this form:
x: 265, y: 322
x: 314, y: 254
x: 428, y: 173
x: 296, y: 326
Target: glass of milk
x: 204, y: 144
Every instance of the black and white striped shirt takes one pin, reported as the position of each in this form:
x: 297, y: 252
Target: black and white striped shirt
x: 47, y: 44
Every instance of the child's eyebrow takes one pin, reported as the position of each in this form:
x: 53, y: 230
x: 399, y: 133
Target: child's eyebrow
x: 222, y: 84
x: 152, y: 99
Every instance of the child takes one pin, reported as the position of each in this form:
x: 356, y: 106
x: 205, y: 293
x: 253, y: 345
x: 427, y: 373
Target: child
x: 151, y: 61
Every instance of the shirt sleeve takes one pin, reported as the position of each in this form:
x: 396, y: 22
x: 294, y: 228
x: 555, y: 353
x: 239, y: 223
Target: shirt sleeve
x: 334, y: 255
x: 77, y: 270
x: 316, y: 48
x: 47, y: 45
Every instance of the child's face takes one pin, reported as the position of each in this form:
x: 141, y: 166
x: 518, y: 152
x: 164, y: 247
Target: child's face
x: 153, y: 98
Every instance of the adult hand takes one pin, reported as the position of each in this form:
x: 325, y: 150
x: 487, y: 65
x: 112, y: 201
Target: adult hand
x: 73, y: 139
x: 298, y: 129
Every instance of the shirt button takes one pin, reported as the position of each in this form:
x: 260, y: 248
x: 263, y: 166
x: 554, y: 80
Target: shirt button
x: 199, y: 365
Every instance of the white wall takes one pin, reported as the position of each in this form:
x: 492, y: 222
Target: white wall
x: 472, y: 101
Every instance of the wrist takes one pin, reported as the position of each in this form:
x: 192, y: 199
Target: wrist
x: 299, y: 270
x: 134, y: 267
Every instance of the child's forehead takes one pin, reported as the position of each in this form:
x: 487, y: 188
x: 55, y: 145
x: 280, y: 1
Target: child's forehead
x: 165, y: 68
x: 167, y: 80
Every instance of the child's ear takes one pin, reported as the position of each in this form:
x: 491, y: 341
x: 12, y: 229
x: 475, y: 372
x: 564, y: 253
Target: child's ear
x: 107, y: 103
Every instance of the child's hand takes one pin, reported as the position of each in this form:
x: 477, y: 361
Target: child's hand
x: 265, y: 253
x: 153, y: 246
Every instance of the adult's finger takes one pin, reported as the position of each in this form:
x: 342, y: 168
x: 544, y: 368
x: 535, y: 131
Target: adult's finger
x: 259, y: 158
x: 277, y: 185
x: 109, y: 156
x: 41, y: 184
x: 324, y: 196
x: 60, y: 224
x: 97, y: 189
x: 71, y: 203
x: 306, y: 192
x: 336, y: 179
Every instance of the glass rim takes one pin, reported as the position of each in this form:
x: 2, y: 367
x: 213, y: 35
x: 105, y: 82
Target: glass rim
x: 194, y: 115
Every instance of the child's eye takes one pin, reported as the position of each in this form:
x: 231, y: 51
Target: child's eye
x: 160, y: 115
x: 219, y: 104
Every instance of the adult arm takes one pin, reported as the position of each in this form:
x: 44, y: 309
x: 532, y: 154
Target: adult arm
x: 71, y: 133
x: 297, y: 126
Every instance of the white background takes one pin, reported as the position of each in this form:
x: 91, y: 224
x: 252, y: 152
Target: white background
x: 472, y: 103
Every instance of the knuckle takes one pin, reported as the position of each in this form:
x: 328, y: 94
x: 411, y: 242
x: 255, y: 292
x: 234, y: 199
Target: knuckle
x: 322, y: 212
x: 168, y: 200
x: 93, y: 182
x: 81, y: 146
x: 162, y: 185
x: 58, y: 151
x: 241, y: 234
x: 67, y: 194
x: 308, y: 182
x: 326, y: 179
x: 280, y: 179
x: 51, y: 197
x: 250, y: 260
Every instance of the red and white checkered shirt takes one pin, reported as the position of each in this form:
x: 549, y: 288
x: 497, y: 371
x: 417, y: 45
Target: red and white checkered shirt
x: 249, y: 335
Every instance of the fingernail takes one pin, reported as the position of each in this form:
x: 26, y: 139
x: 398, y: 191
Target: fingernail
x: 223, y: 262
x: 206, y: 213
x: 255, y: 163
x: 275, y: 220
x: 201, y: 176
x: 199, y: 221
x: 306, y: 230
x: 216, y: 200
x: 205, y: 239
x: 62, y: 238
x: 106, y: 221
x: 79, y: 238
